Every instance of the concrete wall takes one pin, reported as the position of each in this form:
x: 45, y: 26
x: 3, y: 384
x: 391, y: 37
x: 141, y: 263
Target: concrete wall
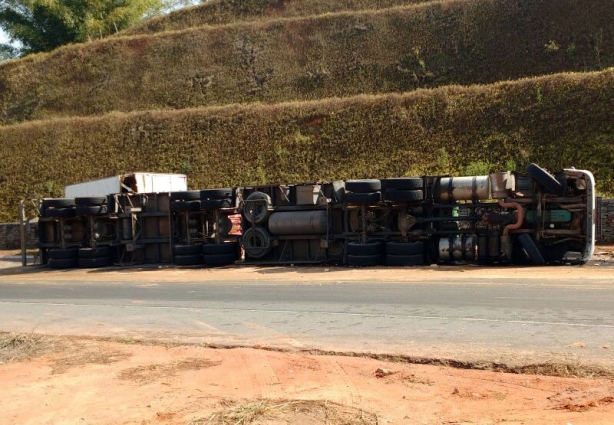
x: 10, y: 239
x: 607, y: 221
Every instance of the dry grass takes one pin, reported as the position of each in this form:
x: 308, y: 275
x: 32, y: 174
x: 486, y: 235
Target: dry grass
x: 81, y: 355
x: 287, y: 411
x: 21, y: 347
x: 151, y: 373
x: 219, y: 12
x: 334, y: 55
x: 571, y: 122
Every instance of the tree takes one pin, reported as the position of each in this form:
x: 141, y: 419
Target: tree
x: 43, y: 25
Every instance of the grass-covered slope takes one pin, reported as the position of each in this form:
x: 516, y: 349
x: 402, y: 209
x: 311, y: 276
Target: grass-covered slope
x: 560, y: 120
x: 218, y: 12
x: 392, y: 50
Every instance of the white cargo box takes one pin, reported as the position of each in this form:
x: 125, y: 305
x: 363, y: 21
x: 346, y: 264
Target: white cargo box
x: 136, y: 182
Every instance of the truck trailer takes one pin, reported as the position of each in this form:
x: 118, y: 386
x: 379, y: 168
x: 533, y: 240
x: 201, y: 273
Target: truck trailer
x: 504, y: 218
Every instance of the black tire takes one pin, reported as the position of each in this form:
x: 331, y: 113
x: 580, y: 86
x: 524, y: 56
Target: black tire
x: 90, y: 201
x: 545, y: 179
x: 223, y: 193
x: 404, y: 248
x: 192, y: 206
x: 256, y: 242
x: 96, y: 252
x: 220, y: 249
x: 58, y: 203
x: 531, y: 249
x: 196, y: 249
x: 403, y: 183
x: 220, y: 259
x: 91, y: 210
x: 364, y: 260
x: 111, y: 204
x: 257, y: 207
x: 361, y: 249
x: 187, y: 195
x: 404, y: 260
x: 403, y: 195
x: 215, y: 204
x: 66, y: 263
x: 63, y: 254
x: 61, y: 213
x: 363, y: 198
x: 91, y: 263
x: 363, y: 186
x: 188, y: 260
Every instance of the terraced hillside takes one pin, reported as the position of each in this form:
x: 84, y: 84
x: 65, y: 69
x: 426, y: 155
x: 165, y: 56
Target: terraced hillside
x: 356, y: 93
x: 344, y: 54
x: 218, y: 12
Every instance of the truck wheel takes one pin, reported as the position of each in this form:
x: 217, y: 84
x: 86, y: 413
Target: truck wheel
x: 404, y: 248
x: 363, y: 186
x: 224, y: 193
x: 545, y: 179
x: 61, y: 213
x: 58, y: 203
x: 192, y: 206
x: 364, y: 260
x: 91, y: 210
x: 404, y: 260
x: 219, y: 249
x: 403, y: 195
x: 403, y: 183
x: 66, y: 263
x: 91, y: 263
x: 215, y: 204
x: 188, y: 260
x: 531, y: 249
x: 257, y: 242
x: 363, y: 198
x: 96, y: 252
x: 219, y: 259
x: 188, y: 249
x: 187, y: 195
x: 361, y: 249
x: 62, y: 254
x: 257, y: 207
x: 89, y: 201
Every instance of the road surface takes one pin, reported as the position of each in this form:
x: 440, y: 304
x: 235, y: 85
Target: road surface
x: 506, y: 317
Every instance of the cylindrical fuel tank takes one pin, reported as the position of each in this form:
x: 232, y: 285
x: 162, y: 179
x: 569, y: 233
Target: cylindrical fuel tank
x: 312, y: 222
x: 457, y: 249
x: 463, y: 188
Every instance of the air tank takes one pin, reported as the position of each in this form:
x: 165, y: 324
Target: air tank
x: 463, y: 188
x: 457, y: 249
x: 313, y: 222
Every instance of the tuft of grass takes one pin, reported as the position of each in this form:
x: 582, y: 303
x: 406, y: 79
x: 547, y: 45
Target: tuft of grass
x: 288, y: 411
x: 150, y: 373
x: 16, y: 347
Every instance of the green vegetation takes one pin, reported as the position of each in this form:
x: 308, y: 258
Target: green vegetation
x: 335, y: 55
x: 43, y: 25
x: 219, y: 12
x: 362, y: 136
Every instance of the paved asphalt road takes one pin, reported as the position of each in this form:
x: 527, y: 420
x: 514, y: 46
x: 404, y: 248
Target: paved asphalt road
x: 502, y: 320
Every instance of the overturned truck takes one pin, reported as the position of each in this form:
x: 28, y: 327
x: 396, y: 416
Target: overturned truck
x: 503, y: 218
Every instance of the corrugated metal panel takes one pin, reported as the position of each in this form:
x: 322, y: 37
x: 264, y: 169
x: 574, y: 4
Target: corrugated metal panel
x: 100, y: 187
x: 145, y: 183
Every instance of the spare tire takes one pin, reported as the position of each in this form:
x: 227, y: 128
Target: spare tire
x: 403, y: 195
x: 61, y: 213
x: 256, y: 209
x: 257, y: 242
x: 188, y: 260
x: 215, y: 204
x: 364, y: 260
x: 214, y: 260
x: 219, y: 249
x: 404, y: 248
x: 62, y: 254
x: 96, y: 252
x: 404, y: 260
x: 195, y: 249
x: 66, y: 263
x: 58, y: 203
x: 369, y: 248
x: 363, y: 198
x: 91, y: 210
x: 186, y: 195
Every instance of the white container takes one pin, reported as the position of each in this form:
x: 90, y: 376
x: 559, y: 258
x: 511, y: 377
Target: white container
x: 137, y: 182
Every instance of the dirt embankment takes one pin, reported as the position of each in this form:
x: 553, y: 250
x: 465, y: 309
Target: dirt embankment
x: 82, y: 381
